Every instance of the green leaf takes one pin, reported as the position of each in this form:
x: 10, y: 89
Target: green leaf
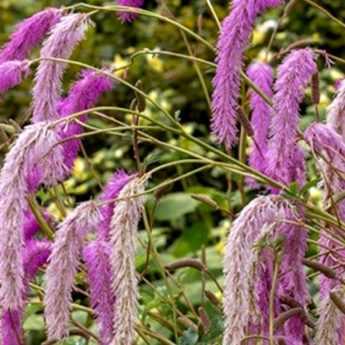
x: 191, y: 239
x: 174, y: 206
x: 34, y: 323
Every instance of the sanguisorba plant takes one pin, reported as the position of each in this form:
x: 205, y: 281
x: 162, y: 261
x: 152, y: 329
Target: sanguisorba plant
x: 265, y: 295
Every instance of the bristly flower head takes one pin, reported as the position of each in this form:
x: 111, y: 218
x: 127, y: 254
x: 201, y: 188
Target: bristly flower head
x: 28, y: 34
x: 35, y: 255
x: 123, y: 237
x: 35, y: 149
x: 330, y: 328
x: 262, y: 75
x: 12, y: 73
x: 294, y: 74
x: 83, y: 95
x: 330, y: 147
x: 63, y: 265
x: 233, y: 39
x: 129, y: 16
x: 97, y: 260
x: 31, y: 226
x: 111, y: 191
x: 240, y: 307
x: 60, y: 44
x: 336, y: 111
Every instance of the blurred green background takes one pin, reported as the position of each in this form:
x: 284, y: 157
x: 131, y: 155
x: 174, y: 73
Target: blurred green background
x: 183, y: 226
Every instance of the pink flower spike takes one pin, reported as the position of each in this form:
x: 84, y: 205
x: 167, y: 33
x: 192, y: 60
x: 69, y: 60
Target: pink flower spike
x: 83, y: 95
x: 127, y: 17
x: 123, y: 237
x: 111, y: 191
x: 28, y: 34
x: 262, y: 75
x: 336, y: 111
x: 232, y: 42
x: 294, y: 74
x: 97, y: 260
x: 12, y: 74
x: 63, y: 266
x: 35, y: 148
x: 60, y: 44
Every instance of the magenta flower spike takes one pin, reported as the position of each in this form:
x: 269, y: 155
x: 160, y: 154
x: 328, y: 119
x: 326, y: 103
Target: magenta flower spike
x: 97, y: 260
x: 245, y: 294
x: 12, y: 74
x: 336, y: 111
x: 233, y: 40
x: 60, y: 44
x: 28, y: 34
x: 262, y: 75
x: 110, y: 192
x: 127, y: 17
x: 63, y: 265
x: 11, y: 330
x: 35, y: 148
x: 330, y: 147
x: 31, y: 226
x: 123, y: 237
x: 83, y: 95
x: 294, y: 74
x: 35, y: 255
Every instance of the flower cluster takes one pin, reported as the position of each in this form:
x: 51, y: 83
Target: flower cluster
x: 265, y: 287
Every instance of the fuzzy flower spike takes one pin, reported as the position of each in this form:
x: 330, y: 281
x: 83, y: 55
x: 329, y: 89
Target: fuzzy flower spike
x: 35, y: 148
x: 329, y: 145
x: 285, y: 159
x: 35, y: 255
x: 127, y: 17
x: 123, y: 237
x: 60, y: 44
x: 63, y: 266
x: 233, y: 40
x: 29, y: 34
x: 336, y: 111
x: 12, y: 73
x: 242, y: 308
x: 97, y: 259
x: 83, y: 95
x: 262, y: 75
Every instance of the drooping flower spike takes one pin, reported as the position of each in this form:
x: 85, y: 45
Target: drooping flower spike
x: 35, y: 255
x: 35, y: 149
x: 28, y: 34
x: 294, y: 74
x: 330, y: 327
x: 83, y: 95
x: 96, y: 256
x: 262, y: 75
x: 110, y: 192
x: 12, y: 74
x: 127, y: 17
x: 123, y: 238
x: 233, y: 40
x: 336, y: 111
x: 245, y: 303
x: 63, y: 266
x: 329, y: 146
x: 60, y: 44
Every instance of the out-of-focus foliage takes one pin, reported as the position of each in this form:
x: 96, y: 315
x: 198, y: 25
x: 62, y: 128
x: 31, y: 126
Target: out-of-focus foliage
x: 183, y: 226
